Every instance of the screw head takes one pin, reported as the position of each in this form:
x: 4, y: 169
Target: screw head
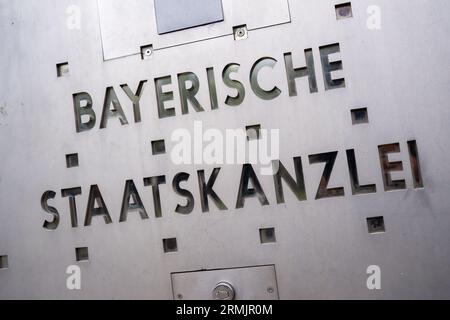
x: 240, y: 32
x: 179, y: 296
x: 146, y: 52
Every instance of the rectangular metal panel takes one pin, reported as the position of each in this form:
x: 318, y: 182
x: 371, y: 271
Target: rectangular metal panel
x: 323, y: 248
x: 174, y: 15
x: 251, y: 283
x: 128, y: 25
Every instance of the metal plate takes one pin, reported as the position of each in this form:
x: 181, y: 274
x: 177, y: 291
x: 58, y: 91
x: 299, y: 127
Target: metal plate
x: 323, y: 247
x: 252, y: 283
x: 128, y: 25
x: 174, y: 15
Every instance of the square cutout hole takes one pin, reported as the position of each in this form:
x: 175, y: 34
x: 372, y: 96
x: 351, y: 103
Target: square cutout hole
x: 360, y: 116
x: 62, y: 69
x: 170, y: 245
x: 240, y: 32
x: 72, y: 160
x: 253, y: 132
x: 375, y: 225
x: 267, y: 235
x: 82, y: 254
x: 344, y: 11
x: 4, y: 262
x: 158, y: 147
x: 146, y: 52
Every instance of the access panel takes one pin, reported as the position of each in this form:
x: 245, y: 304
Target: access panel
x: 249, y: 283
x: 126, y: 26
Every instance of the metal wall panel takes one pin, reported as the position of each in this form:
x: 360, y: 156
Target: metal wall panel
x: 322, y: 247
x: 126, y: 26
x: 250, y: 283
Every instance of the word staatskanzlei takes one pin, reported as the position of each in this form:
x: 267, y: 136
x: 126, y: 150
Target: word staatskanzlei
x: 249, y: 186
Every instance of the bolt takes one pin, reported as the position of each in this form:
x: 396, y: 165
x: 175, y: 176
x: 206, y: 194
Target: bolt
x: 270, y: 290
x: 179, y: 296
x: 146, y: 52
x: 240, y: 32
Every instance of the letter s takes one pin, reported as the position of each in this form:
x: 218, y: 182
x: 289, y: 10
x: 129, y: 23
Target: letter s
x: 50, y: 225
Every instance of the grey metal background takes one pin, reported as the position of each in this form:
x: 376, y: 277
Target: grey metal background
x: 323, y: 248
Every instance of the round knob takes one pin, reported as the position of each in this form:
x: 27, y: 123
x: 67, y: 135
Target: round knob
x: 223, y: 291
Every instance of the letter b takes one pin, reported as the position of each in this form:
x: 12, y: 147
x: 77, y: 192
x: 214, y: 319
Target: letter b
x: 85, y: 110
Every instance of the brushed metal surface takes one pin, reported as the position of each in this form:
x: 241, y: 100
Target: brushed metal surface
x: 323, y: 248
